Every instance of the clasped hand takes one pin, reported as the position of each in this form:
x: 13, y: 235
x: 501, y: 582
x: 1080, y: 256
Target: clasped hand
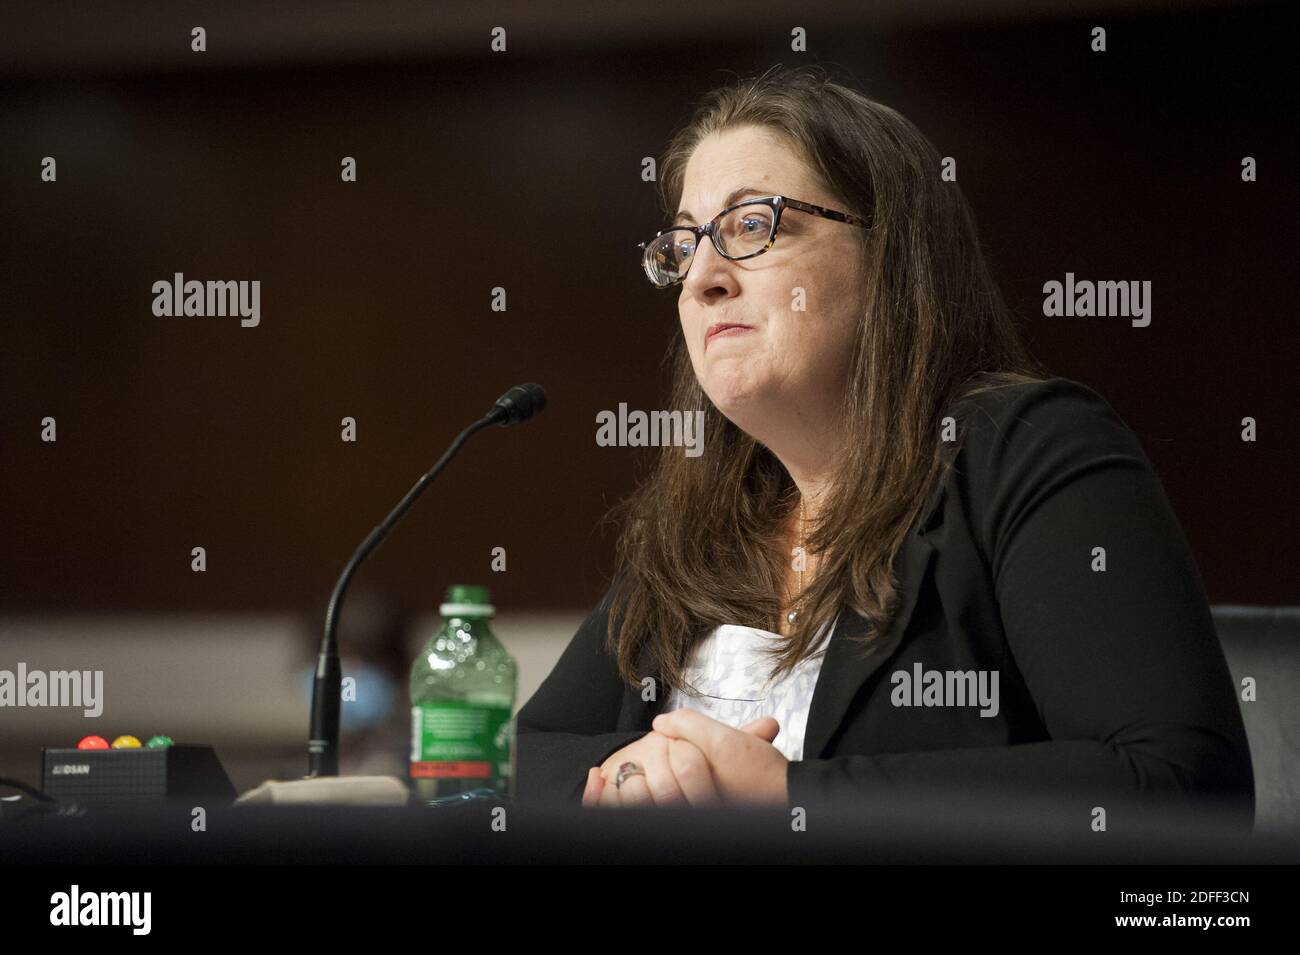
x: 692, y: 759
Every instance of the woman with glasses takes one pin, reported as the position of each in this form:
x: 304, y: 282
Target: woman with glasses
x: 906, y: 557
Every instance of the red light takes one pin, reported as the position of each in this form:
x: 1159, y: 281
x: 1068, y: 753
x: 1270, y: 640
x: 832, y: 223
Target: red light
x: 93, y: 742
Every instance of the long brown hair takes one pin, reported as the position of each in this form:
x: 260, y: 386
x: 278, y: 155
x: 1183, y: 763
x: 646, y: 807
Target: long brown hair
x: 700, y: 538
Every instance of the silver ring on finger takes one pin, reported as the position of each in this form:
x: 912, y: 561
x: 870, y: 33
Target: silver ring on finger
x: 626, y: 770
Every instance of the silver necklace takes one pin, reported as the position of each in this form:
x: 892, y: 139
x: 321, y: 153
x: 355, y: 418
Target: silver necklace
x: 793, y: 614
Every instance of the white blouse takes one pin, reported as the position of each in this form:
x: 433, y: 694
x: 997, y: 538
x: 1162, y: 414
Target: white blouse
x: 734, y: 676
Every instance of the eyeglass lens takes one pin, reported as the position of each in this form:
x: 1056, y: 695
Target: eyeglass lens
x: 742, y: 231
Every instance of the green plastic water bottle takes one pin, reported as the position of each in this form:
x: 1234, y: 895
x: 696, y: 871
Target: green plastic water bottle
x: 463, y: 687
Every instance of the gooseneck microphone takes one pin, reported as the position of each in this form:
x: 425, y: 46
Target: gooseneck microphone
x: 518, y: 405
x: 521, y: 403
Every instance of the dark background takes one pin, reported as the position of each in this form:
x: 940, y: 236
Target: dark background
x: 522, y: 170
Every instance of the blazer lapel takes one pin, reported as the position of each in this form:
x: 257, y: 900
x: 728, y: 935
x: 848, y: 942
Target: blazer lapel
x: 846, y: 667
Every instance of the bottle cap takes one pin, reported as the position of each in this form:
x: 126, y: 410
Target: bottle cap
x: 467, y: 600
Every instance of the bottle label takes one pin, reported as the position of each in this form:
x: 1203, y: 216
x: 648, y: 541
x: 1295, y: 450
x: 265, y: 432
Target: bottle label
x: 455, y: 739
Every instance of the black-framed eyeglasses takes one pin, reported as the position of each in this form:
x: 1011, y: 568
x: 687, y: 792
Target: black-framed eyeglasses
x: 738, y: 232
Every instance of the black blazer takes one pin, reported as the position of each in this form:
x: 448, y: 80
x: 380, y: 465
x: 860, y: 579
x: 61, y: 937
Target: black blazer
x: 1111, y: 683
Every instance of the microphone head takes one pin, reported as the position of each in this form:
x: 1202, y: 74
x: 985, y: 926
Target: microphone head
x: 519, y: 404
